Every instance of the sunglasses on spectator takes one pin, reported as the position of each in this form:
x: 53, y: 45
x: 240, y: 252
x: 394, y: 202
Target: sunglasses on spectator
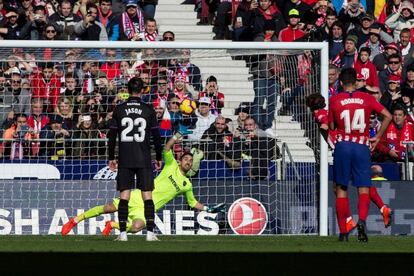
x: 162, y: 83
x: 50, y: 31
x: 16, y: 81
x: 177, y: 103
x: 22, y: 122
x: 168, y: 38
x: 393, y: 62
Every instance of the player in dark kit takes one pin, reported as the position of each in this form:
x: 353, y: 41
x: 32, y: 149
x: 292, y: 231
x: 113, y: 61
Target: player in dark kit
x: 134, y: 122
x: 349, y: 114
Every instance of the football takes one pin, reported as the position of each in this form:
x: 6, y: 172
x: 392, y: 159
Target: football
x: 188, y: 106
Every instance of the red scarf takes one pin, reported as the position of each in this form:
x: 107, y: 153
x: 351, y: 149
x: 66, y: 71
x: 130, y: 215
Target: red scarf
x: 103, y: 18
x: 268, y: 16
x: 394, y: 142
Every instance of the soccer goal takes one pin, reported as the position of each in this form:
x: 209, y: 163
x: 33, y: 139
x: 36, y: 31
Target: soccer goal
x: 255, y: 145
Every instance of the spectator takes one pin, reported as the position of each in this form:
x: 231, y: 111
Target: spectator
x: 212, y: 92
x: 333, y: 76
x: 298, y: 5
x: 49, y: 34
x: 260, y: 148
x: 391, y: 145
x: 168, y: 36
x: 374, y: 42
x: 381, y: 60
x: 366, y: 68
x: 11, y: 29
x: 161, y: 93
x: 292, y: 32
x: 87, y: 149
x: 71, y: 88
x: 163, y: 118
x: 46, y: 85
x: 89, y: 28
x: 65, y: 110
x: 21, y: 135
x: 105, y: 14
x: 190, y: 70
x: 222, y: 19
x: 149, y: 7
x: 55, y: 147
x: 111, y: 67
x: 394, y: 69
x: 362, y: 33
x: 391, y: 7
x: 64, y: 21
x: 125, y: 74
x: 407, y: 87
x: 204, y: 119
x: 243, y: 21
x: 392, y: 95
x: 38, y: 21
x: 220, y: 145
x: 237, y: 127
x: 129, y: 24
x: 324, y: 30
x: 151, y: 33
x: 267, y: 12
x: 37, y: 119
x: 405, y: 46
x: 403, y: 18
x: 150, y: 63
x: 347, y: 57
x: 351, y: 14
x: 266, y: 86
x: 336, y: 39
x: 180, y: 88
x: 14, y: 98
x: 144, y: 75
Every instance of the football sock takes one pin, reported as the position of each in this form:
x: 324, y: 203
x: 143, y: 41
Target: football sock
x: 91, y: 213
x: 149, y: 214
x: 375, y: 197
x: 363, y: 206
x: 342, y: 209
x: 348, y: 210
x: 123, y: 214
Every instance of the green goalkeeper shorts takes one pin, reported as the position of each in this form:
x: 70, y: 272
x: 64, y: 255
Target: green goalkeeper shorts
x: 134, y: 213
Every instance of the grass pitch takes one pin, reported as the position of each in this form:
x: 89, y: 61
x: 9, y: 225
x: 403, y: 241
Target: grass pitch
x: 299, y: 244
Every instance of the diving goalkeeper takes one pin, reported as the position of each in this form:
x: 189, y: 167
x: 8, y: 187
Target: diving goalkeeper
x: 170, y: 183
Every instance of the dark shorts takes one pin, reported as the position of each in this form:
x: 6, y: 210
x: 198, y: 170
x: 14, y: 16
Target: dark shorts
x: 131, y: 178
x: 352, y: 161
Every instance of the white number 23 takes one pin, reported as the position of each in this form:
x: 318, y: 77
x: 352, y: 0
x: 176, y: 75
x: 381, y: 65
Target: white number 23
x: 141, y: 123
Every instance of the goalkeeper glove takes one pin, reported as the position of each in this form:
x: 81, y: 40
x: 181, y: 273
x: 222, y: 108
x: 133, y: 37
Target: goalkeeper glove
x: 198, y: 155
x: 219, y: 208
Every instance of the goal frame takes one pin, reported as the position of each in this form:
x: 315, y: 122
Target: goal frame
x: 324, y: 67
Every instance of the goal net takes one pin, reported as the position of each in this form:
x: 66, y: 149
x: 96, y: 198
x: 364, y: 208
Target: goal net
x: 256, y: 147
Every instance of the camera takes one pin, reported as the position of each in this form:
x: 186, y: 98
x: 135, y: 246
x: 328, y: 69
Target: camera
x: 22, y: 132
x: 36, y: 17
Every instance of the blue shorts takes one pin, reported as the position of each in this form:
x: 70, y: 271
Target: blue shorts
x: 352, y: 161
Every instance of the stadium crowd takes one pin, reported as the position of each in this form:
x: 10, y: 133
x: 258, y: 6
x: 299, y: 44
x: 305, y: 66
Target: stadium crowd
x: 66, y: 98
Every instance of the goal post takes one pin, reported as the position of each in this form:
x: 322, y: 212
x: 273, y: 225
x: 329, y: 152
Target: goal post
x: 229, y: 183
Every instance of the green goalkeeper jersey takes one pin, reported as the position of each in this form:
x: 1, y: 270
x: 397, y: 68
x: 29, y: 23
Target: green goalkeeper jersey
x: 169, y: 184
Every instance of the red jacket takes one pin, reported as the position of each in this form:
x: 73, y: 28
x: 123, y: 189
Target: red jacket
x: 48, y: 91
x: 369, y: 71
x: 289, y: 35
x: 111, y: 71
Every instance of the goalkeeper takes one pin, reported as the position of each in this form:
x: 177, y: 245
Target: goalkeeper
x: 170, y: 183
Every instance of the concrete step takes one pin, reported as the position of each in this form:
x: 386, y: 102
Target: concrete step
x: 226, y: 70
x: 291, y: 133
x: 183, y: 29
x: 294, y: 146
x: 296, y: 153
x: 218, y: 63
x: 170, y: 7
x: 226, y: 77
x: 175, y: 15
x: 234, y: 104
x: 190, y: 22
x: 287, y: 126
x: 172, y: 2
x: 239, y: 84
x: 295, y: 140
